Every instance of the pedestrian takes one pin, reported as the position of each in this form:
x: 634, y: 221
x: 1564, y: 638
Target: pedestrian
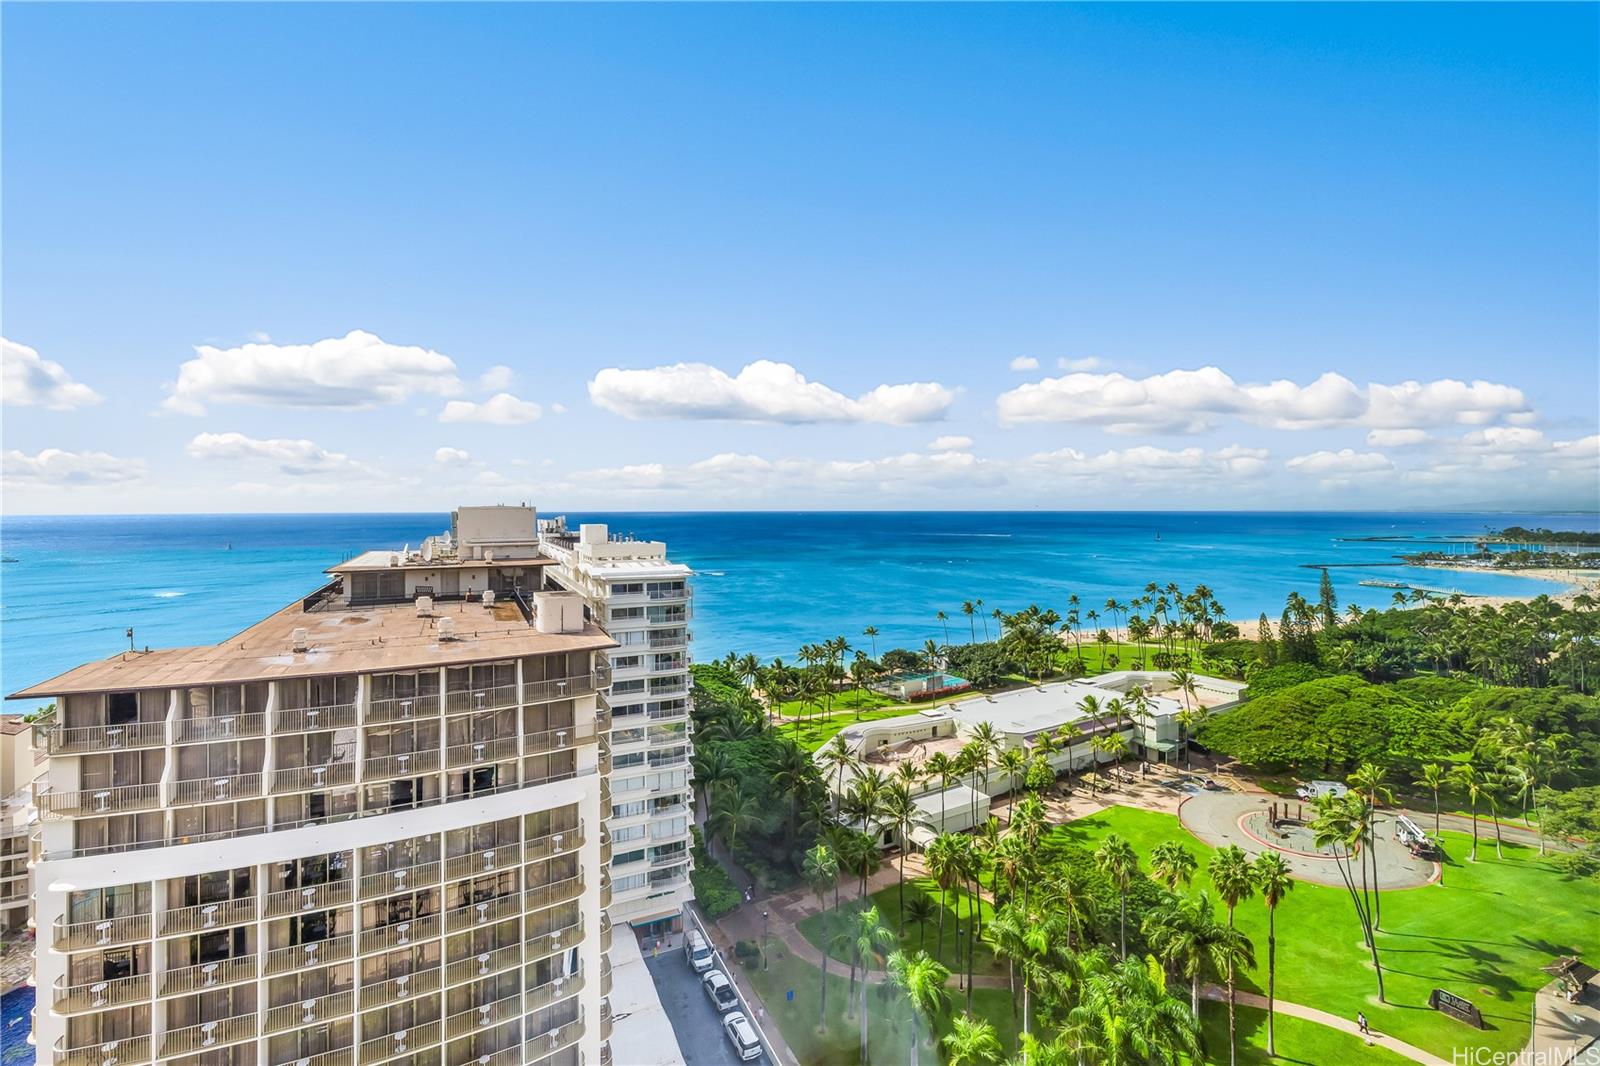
x: 1361, y: 1023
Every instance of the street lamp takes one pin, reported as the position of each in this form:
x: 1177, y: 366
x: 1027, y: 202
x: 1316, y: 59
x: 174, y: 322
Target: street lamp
x: 764, y: 928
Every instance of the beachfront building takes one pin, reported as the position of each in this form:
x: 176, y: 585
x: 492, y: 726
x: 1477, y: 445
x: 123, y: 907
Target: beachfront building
x: 644, y: 601
x: 367, y: 829
x: 1019, y: 718
x: 17, y: 771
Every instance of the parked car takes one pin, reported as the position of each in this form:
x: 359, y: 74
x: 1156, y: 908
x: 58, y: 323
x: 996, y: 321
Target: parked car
x: 697, y: 951
x: 720, y: 990
x: 742, y: 1035
x: 1311, y: 790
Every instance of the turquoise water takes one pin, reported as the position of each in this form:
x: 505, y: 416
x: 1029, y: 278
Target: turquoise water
x: 767, y: 582
x: 15, y: 1021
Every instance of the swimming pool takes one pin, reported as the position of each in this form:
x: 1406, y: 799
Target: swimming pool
x: 16, y: 1006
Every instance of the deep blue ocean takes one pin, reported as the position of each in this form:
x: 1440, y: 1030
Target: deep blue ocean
x: 767, y: 582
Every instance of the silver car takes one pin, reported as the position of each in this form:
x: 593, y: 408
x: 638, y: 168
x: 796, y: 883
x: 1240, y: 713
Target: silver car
x: 720, y: 990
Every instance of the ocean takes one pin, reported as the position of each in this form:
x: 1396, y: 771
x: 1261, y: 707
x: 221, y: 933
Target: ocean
x: 71, y: 587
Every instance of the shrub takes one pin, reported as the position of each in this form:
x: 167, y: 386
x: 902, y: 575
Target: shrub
x: 937, y: 693
x: 714, y: 890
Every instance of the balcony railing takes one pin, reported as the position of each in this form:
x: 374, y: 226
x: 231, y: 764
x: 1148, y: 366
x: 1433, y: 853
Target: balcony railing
x: 480, y: 753
x: 181, y: 921
x: 340, y: 1057
x: 495, y: 698
x: 537, y: 1047
x: 398, y: 935
x: 672, y: 686
x: 309, y: 898
x: 563, y: 842
x: 100, y: 933
x: 541, y: 896
x: 560, y: 688
x: 222, y: 727
x: 87, y: 801
x: 555, y: 940
x: 405, y: 1042
x: 313, y: 778
x: 540, y: 996
x: 403, y: 708
x: 482, y: 1016
x: 659, y: 759
x: 482, y: 913
x: 309, y: 1011
x: 208, y: 975
x: 313, y: 719
x: 124, y: 1052
x: 217, y: 789
x: 69, y: 740
x: 410, y: 764
x: 98, y: 995
x: 482, y: 862
x: 208, y: 1035
x: 570, y: 736
x: 483, y: 964
x: 308, y: 956
x: 397, y: 989
x: 403, y: 879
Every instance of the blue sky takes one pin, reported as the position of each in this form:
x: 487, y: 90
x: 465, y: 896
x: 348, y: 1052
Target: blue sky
x: 299, y: 257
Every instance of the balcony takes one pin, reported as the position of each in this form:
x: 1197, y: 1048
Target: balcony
x: 549, y: 740
x: 480, y: 753
x: 98, y: 995
x: 125, y: 1052
x: 224, y: 727
x: 482, y: 862
x: 313, y: 719
x: 309, y: 1012
x: 668, y: 595
x: 94, y: 739
x: 561, y: 688
x: 541, y: 996
x: 405, y: 1042
x: 410, y: 764
x: 399, y: 935
x: 403, y: 708
x: 660, y: 759
x: 605, y: 931
x: 537, y: 1047
x: 312, y: 778
x: 483, y: 964
x: 217, y: 789
x: 398, y: 989
x: 103, y: 933
x: 208, y: 1035
x: 557, y: 940
x: 340, y: 1057
x: 540, y: 896
x: 496, y: 698
x: 111, y: 800
x: 562, y: 843
x: 208, y: 975
x: 482, y: 1016
x: 310, y: 898
x: 482, y: 913
x: 659, y: 639
x: 403, y: 879
x: 308, y: 956
x: 181, y: 921
x: 671, y: 686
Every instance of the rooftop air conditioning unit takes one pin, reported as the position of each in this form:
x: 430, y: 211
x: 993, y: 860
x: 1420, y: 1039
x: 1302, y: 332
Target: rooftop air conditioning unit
x: 394, y: 559
x: 488, y: 597
x: 424, y: 606
x: 300, y: 639
x: 447, y: 629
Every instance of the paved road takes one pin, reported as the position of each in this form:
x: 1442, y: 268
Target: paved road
x: 694, y: 1019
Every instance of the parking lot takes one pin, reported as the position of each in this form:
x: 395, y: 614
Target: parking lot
x: 694, y: 1019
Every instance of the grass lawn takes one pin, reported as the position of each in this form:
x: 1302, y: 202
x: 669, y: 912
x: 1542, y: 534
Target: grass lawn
x: 889, y: 1032
x: 1299, y: 1041
x: 1483, y: 935
x: 887, y: 901
x: 812, y: 734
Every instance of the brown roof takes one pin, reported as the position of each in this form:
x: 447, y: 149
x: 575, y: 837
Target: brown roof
x: 11, y: 724
x: 342, y: 640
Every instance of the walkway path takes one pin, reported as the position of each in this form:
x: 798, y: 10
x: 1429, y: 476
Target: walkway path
x: 1332, y: 1021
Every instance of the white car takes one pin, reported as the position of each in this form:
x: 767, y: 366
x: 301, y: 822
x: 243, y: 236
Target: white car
x: 720, y: 990
x: 1311, y: 791
x: 742, y: 1035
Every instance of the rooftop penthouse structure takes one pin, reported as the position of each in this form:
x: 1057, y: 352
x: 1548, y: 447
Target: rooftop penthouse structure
x: 370, y: 828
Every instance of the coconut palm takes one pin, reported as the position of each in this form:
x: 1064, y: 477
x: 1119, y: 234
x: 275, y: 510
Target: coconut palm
x: 1339, y: 827
x: 1013, y: 762
x: 712, y: 769
x: 968, y: 609
x: 1494, y: 787
x: 1067, y: 735
x: 732, y: 812
x: 944, y: 858
x: 871, y: 633
x: 1235, y: 882
x: 1116, y: 859
x: 1229, y: 953
x: 919, y: 912
x: 1433, y: 777
x: 1182, y: 933
x: 1368, y: 781
x: 1273, y: 882
x: 922, y: 981
x: 1125, y: 1015
x: 944, y: 620
x: 1466, y: 776
x: 870, y: 940
x: 1172, y: 864
x: 941, y: 766
x: 900, y: 811
x: 836, y: 757
x: 971, y: 1042
x: 1189, y: 721
x: 821, y: 869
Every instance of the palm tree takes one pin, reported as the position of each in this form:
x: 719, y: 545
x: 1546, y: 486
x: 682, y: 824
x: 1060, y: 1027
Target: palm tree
x: 1274, y: 882
x: 944, y: 620
x: 1433, y: 777
x: 922, y: 980
x: 837, y: 757
x: 971, y: 1041
x: 919, y: 912
x: 731, y: 812
x: 1182, y: 933
x: 870, y: 939
x: 901, y: 812
x: 941, y: 766
x: 1230, y: 872
x: 977, y: 605
x: 1494, y: 787
x: 1189, y: 722
x: 985, y: 745
x: 1229, y: 953
x: 943, y: 858
x: 1067, y: 735
x: 871, y: 633
x: 968, y: 609
x: 1466, y: 776
x: 821, y: 869
x: 1125, y: 1015
x: 1116, y: 859
x: 712, y: 769
x: 1173, y: 864
x: 1014, y: 763
x: 1339, y: 826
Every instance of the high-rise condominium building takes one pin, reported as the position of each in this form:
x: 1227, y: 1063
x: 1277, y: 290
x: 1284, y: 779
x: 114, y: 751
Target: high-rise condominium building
x: 368, y: 829
x: 644, y: 602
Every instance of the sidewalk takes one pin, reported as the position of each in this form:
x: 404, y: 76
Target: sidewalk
x: 1332, y: 1021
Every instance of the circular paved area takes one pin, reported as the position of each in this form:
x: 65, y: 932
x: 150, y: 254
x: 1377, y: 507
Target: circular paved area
x: 1223, y: 818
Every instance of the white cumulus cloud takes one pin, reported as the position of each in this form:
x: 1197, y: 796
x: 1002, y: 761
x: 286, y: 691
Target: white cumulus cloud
x: 53, y: 466
x: 764, y: 391
x: 451, y: 457
x: 1194, y: 401
x: 1396, y: 438
x: 950, y: 444
x: 296, y: 458
x: 26, y: 380
x: 1343, y: 461
x: 1024, y: 362
x: 357, y: 370
x: 496, y: 379
x: 501, y: 409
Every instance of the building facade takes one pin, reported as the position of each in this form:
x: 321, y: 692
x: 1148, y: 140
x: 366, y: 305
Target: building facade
x: 644, y: 601
x: 368, y: 829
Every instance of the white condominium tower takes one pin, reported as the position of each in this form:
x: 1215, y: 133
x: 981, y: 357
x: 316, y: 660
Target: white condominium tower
x: 367, y: 829
x: 643, y: 601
